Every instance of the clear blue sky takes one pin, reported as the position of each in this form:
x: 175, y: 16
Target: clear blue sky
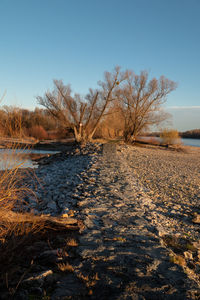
x: 42, y: 40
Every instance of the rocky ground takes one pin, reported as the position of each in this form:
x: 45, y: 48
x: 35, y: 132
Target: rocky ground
x: 140, y: 210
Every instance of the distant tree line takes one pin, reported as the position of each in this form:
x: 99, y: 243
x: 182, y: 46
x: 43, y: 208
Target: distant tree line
x: 194, y: 134
x: 17, y: 122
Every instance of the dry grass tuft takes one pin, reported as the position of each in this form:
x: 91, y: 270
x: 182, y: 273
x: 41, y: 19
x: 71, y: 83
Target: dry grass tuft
x: 72, y: 243
x: 19, y: 230
x: 15, y: 226
x: 66, y: 267
x: 82, y: 277
x: 12, y: 193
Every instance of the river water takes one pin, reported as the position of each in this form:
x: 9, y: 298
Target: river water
x: 19, y: 158
x: 184, y: 141
x: 191, y: 142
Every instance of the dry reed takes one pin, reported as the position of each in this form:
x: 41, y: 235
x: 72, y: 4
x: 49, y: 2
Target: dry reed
x: 19, y: 229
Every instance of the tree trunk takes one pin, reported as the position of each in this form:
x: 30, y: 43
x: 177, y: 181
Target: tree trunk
x: 129, y: 136
x: 81, y: 135
x: 77, y: 135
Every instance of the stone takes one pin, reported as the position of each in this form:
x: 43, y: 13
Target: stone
x: 196, y: 218
x: 52, y: 205
x: 65, y: 215
x: 196, y: 245
x: 68, y: 286
x: 188, y: 255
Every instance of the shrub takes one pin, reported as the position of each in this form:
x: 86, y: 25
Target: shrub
x: 11, y: 122
x: 170, y: 137
x: 37, y: 132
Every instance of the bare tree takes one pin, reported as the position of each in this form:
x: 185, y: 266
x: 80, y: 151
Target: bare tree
x: 83, y: 115
x: 141, y: 102
x: 112, y: 124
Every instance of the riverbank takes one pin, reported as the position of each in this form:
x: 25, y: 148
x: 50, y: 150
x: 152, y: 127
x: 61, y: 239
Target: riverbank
x: 139, y: 206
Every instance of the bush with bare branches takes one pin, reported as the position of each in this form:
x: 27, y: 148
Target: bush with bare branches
x: 38, y: 132
x: 11, y: 122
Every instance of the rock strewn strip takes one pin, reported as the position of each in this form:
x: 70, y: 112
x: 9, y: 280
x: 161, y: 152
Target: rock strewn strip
x: 57, y: 180
x: 121, y: 252
x: 172, y: 179
x: 122, y: 243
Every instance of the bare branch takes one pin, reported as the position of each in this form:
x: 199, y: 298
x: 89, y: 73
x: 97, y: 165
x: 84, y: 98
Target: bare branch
x: 141, y: 100
x: 1, y: 99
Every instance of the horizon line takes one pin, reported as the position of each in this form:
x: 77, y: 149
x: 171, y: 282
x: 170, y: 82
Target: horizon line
x: 184, y: 107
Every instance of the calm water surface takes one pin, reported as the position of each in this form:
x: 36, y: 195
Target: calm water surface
x: 191, y: 142
x: 14, y: 158
x: 186, y: 142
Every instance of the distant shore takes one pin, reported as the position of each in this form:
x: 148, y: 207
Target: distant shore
x: 56, y: 144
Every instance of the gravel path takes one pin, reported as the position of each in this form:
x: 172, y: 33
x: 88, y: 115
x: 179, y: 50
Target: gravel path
x: 126, y: 242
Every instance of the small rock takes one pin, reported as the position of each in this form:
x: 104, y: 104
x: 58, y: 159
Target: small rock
x: 21, y: 295
x: 191, y: 265
x: 196, y: 218
x: 69, y: 286
x: 65, y: 215
x: 36, y: 291
x: 52, y: 205
x: 188, y: 255
x: 196, y: 245
x: 197, y: 268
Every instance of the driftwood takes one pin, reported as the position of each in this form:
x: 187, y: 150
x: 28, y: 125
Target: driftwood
x: 43, y: 221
